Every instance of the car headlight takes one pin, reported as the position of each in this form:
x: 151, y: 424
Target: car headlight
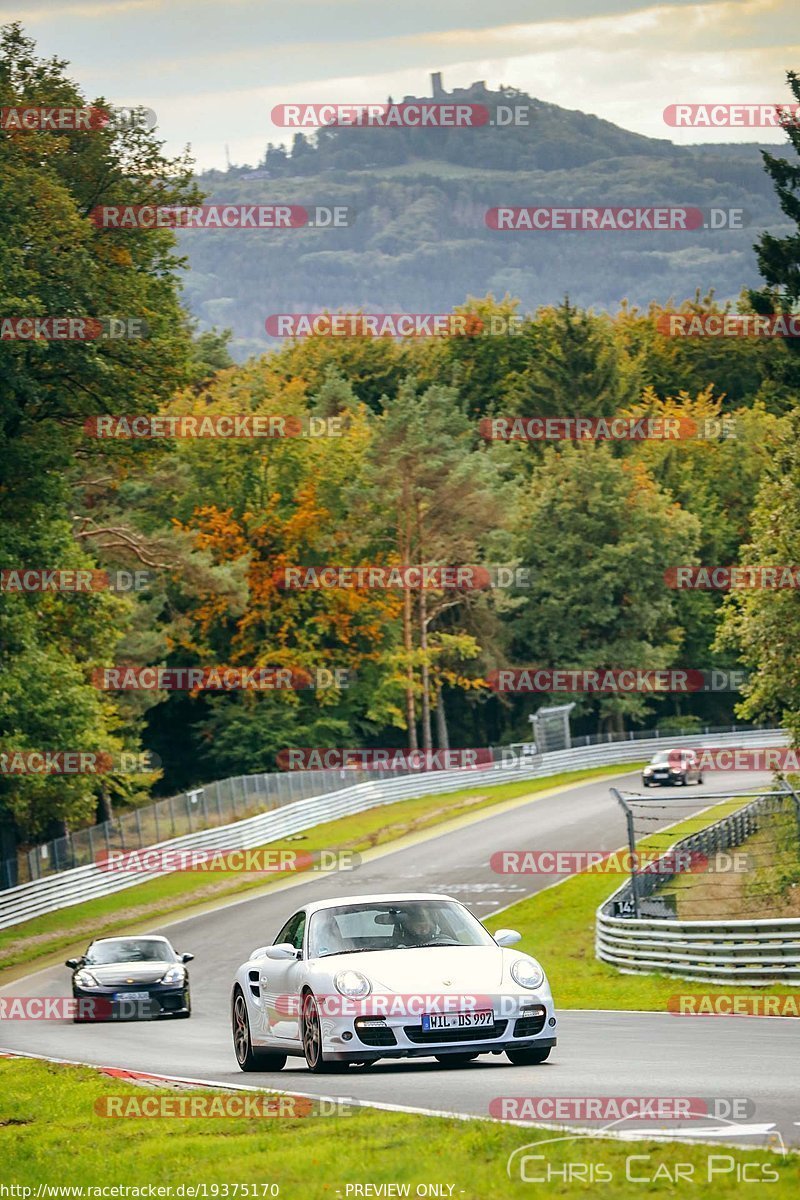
x: 86, y: 979
x: 352, y: 984
x: 527, y: 973
x: 648, y: 771
x: 175, y: 974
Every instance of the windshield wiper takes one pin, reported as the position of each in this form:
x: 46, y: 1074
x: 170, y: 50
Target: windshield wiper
x: 366, y: 950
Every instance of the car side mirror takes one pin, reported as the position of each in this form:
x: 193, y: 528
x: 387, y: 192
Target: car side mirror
x: 73, y: 963
x: 186, y: 957
x: 283, y: 950
x: 507, y: 937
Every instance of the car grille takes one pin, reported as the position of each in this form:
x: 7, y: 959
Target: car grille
x: 431, y: 1037
x: 528, y: 1026
x: 376, y: 1035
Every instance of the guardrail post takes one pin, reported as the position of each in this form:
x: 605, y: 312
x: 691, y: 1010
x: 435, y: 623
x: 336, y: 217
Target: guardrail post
x: 632, y: 848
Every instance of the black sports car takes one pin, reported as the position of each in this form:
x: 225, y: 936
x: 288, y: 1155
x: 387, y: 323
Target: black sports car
x: 130, y: 979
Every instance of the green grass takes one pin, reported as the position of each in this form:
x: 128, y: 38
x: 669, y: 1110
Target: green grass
x: 50, y: 1133
x: 141, y: 906
x: 770, y: 887
x: 558, y: 927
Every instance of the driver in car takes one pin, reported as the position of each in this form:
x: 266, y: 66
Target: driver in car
x: 419, y: 928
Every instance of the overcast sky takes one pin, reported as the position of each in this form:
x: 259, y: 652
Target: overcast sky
x: 213, y: 69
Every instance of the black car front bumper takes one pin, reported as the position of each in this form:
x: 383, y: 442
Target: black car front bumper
x: 129, y: 1003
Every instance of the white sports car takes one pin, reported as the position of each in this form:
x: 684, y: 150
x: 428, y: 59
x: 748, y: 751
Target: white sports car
x: 359, y: 978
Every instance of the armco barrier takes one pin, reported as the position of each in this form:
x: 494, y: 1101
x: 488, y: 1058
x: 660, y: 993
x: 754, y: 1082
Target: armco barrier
x: 86, y: 883
x: 723, y: 952
x: 750, y: 952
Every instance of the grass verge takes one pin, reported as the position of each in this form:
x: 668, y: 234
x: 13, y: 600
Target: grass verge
x: 768, y: 887
x: 51, y: 1134
x: 558, y: 927
x: 141, y: 906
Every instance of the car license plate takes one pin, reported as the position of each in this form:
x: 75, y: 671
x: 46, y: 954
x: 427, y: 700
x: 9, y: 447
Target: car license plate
x: 463, y: 1020
x: 131, y: 996
x: 660, y: 775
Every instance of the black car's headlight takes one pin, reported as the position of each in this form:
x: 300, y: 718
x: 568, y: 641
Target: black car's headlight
x: 527, y: 973
x: 84, y: 978
x: 175, y: 974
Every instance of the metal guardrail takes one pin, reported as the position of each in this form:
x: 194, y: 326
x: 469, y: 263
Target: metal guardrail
x: 88, y: 882
x: 220, y: 803
x: 764, y: 951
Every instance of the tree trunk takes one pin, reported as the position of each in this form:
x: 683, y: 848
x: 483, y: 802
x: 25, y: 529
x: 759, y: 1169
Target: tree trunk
x: 408, y: 641
x: 442, y: 735
x: 411, y: 714
x: 104, y: 811
x: 427, y: 736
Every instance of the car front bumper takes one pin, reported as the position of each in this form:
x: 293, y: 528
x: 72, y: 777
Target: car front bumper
x: 402, y: 1036
x: 121, y: 1004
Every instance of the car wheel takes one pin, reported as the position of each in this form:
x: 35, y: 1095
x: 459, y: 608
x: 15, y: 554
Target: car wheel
x: 455, y: 1060
x: 645, y: 783
x: 311, y: 1029
x: 528, y: 1058
x: 700, y: 780
x: 248, y: 1058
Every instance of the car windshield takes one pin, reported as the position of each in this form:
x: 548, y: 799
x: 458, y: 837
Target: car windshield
x: 661, y: 757
x: 102, y: 954
x: 393, y: 925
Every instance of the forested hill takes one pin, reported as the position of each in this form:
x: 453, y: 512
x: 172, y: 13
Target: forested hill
x: 419, y: 241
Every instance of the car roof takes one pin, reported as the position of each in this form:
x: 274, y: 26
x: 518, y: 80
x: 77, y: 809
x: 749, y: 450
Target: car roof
x: 381, y: 897
x: 133, y: 937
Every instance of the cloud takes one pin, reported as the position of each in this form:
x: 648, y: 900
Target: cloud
x: 221, y: 69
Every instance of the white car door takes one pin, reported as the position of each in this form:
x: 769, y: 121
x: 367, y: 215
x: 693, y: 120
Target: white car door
x: 280, y: 981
